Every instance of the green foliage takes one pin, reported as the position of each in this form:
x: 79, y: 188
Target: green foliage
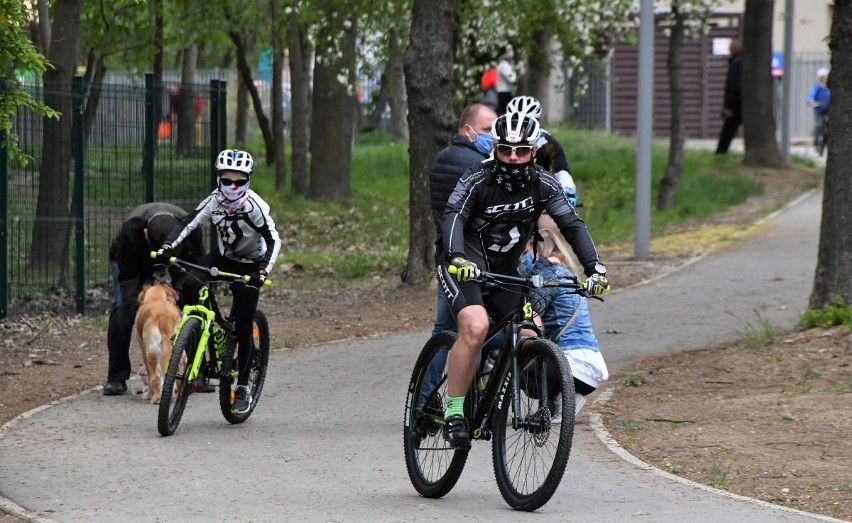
x: 760, y: 334
x: 582, y: 27
x: 18, y: 58
x: 339, y: 242
x: 632, y: 380
x: 717, y: 475
x: 836, y: 313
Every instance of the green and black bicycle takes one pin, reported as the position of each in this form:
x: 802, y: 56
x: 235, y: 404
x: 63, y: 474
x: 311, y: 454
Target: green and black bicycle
x: 205, y: 346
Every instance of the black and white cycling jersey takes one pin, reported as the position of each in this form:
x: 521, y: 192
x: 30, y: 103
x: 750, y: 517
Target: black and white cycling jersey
x: 245, y: 235
x: 490, y: 226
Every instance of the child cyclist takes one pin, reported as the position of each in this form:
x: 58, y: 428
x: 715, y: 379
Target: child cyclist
x: 248, y: 243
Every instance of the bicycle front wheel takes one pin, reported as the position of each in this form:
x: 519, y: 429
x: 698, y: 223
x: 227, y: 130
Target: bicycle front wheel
x: 433, y: 465
x: 529, y: 461
x: 176, y: 387
x: 258, y: 362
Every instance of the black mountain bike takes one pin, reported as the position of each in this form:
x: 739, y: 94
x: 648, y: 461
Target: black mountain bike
x: 513, y: 405
x: 205, y: 345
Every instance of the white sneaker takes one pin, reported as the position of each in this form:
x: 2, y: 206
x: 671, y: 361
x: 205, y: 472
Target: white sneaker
x: 579, y: 401
x: 556, y: 411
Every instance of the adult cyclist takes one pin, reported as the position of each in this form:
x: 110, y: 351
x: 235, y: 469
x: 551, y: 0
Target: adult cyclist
x: 549, y: 153
x: 490, y: 216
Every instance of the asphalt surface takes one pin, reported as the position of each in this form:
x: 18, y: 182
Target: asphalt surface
x: 325, y: 443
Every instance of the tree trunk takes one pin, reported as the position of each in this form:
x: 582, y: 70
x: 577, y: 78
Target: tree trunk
x: 333, y: 115
x: 241, y: 131
x: 833, y: 279
x: 95, y: 85
x: 277, y: 98
x: 666, y: 194
x: 244, y: 70
x: 186, y: 102
x: 429, y: 80
x: 300, y: 102
x: 761, y: 147
x: 242, y: 117
x: 396, y: 92
x: 52, y: 225
x: 536, y: 81
x: 44, y: 24
x: 374, y: 119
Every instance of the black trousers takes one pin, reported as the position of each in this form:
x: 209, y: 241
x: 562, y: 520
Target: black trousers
x: 729, y: 131
x: 244, y: 303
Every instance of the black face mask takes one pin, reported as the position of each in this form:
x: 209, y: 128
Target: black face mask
x: 512, y: 176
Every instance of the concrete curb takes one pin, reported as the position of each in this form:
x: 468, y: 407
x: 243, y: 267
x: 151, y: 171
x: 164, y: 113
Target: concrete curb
x: 596, y: 422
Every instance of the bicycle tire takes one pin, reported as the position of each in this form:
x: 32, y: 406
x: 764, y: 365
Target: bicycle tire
x: 259, y: 361
x: 433, y: 465
x: 529, y: 462
x: 176, y: 388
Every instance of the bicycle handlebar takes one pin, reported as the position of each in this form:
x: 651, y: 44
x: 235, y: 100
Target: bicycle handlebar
x: 212, y: 271
x: 535, y: 281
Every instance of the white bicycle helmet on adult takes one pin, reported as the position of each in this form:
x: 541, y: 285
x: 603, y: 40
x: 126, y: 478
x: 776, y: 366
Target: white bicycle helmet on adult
x: 524, y: 104
x: 515, y: 128
x: 235, y: 160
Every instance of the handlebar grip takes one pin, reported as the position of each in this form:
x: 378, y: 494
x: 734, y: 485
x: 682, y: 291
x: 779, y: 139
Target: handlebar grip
x: 164, y: 258
x: 266, y: 282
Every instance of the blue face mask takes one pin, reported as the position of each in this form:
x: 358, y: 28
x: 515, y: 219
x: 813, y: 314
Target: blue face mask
x: 483, y: 143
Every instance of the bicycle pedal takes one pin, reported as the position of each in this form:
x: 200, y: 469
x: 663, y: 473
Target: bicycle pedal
x: 481, y: 434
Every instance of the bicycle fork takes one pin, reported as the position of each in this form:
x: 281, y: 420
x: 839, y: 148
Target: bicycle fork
x: 206, y: 316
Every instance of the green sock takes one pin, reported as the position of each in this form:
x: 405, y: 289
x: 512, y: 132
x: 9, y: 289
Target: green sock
x: 455, y: 405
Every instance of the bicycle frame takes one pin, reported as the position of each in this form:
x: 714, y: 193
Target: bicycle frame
x: 207, y: 317
x: 501, y: 377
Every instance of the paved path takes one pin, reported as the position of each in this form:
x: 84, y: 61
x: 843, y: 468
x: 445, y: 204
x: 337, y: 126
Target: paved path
x: 325, y: 443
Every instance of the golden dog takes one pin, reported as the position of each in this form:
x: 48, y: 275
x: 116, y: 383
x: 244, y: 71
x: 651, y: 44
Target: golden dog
x: 156, y: 320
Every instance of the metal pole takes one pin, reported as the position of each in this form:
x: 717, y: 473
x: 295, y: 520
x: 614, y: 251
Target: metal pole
x: 787, y: 81
x: 4, y: 220
x: 79, y: 194
x: 150, y: 138
x: 644, y: 130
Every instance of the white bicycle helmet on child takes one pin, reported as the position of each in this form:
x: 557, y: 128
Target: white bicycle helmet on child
x: 524, y: 104
x: 235, y: 160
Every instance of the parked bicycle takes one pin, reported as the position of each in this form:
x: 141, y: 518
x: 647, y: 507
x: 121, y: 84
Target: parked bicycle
x: 515, y: 402
x: 205, y: 345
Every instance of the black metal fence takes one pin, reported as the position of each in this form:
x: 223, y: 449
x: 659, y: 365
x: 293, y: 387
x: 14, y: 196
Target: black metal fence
x: 118, y: 147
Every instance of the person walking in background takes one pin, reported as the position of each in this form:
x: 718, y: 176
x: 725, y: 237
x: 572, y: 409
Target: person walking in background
x: 819, y: 98
x: 732, y: 103
x: 131, y: 266
x: 506, y: 79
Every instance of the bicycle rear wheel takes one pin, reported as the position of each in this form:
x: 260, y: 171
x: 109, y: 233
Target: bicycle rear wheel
x: 529, y: 461
x: 258, y: 362
x: 433, y: 465
x: 176, y: 387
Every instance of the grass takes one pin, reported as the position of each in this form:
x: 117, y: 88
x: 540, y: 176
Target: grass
x: 632, y: 380
x: 339, y: 244
x: 717, y: 475
x: 759, y: 334
x: 837, y: 313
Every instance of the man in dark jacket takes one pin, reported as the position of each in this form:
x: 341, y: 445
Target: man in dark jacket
x: 731, y: 106
x: 470, y: 145
x: 131, y: 266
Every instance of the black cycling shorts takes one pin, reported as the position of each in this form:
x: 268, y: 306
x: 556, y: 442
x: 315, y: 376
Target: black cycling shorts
x: 498, y: 302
